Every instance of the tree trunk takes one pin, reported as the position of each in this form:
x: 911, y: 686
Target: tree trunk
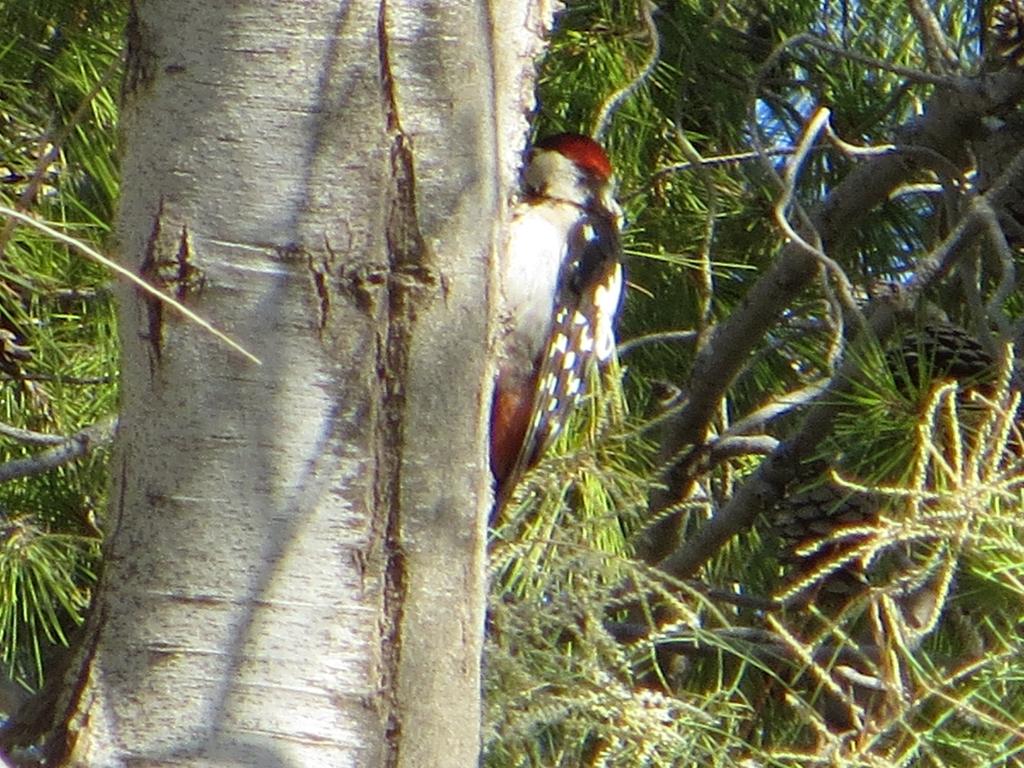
x: 294, y: 571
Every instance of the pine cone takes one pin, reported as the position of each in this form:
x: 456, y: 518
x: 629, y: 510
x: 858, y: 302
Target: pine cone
x: 1006, y: 33
x: 942, y: 351
x: 817, y: 513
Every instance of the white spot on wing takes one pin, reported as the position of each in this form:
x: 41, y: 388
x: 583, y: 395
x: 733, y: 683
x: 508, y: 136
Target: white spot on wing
x: 606, y: 302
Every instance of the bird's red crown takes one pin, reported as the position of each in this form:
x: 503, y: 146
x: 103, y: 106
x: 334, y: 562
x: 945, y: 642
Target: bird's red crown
x: 582, y: 150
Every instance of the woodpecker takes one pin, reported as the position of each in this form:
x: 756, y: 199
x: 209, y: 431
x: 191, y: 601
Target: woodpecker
x: 561, y: 288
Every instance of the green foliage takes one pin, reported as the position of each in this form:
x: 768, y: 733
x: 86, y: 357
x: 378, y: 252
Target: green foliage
x: 564, y: 691
x: 891, y: 639
x: 587, y: 492
x: 43, y: 577
x: 58, y: 82
x: 887, y: 634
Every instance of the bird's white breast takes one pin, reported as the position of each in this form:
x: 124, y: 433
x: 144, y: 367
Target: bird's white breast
x: 538, y: 235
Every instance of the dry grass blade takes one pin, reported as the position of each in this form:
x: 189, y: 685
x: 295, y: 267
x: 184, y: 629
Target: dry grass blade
x: 98, y: 257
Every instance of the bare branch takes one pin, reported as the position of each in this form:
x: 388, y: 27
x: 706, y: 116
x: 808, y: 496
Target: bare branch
x: 941, y: 130
x: 734, y: 158
x: 99, y: 434
x: 767, y: 484
x: 994, y: 309
x: 30, y: 437
x: 910, y: 73
x: 819, y: 122
x: 941, y: 57
x: 742, y: 445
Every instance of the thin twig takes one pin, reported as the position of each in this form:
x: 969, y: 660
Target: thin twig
x: 661, y: 337
x: 734, y: 158
x: 706, y: 284
x: 819, y: 122
x: 703, y: 162
x: 776, y: 407
x: 613, y: 101
x: 56, y: 143
x: 910, y: 73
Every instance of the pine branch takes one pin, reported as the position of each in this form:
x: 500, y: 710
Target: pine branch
x: 763, y: 489
x: 941, y: 130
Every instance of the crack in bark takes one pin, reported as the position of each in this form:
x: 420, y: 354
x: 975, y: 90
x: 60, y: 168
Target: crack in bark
x: 75, y: 718
x: 186, y: 278
x: 139, y: 57
x: 154, y: 333
x: 410, y: 280
x: 320, y: 270
x: 167, y: 265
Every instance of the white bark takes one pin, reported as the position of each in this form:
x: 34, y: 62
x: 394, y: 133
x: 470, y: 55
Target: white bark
x: 294, y: 570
